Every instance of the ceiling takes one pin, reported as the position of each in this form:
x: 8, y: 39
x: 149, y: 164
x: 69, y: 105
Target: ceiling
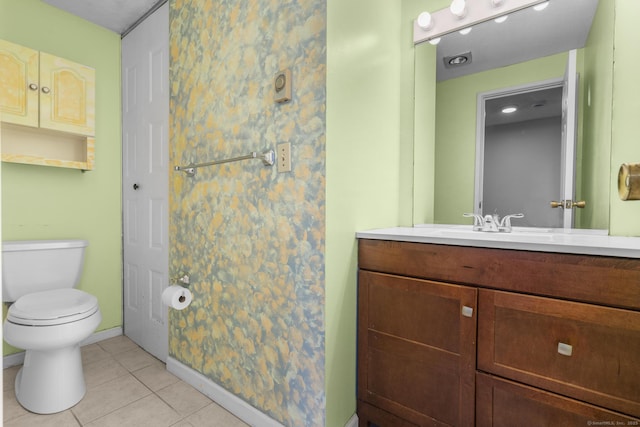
x: 525, y: 35
x: 117, y: 15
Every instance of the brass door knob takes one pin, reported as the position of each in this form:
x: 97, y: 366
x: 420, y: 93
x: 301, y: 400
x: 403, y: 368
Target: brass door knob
x: 568, y: 204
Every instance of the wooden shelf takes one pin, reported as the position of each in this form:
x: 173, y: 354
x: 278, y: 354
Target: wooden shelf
x: 21, y: 144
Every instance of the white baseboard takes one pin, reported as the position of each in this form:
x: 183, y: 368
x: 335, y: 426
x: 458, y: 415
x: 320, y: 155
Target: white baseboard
x: 102, y: 335
x: 353, y: 421
x: 18, y: 358
x: 222, y: 397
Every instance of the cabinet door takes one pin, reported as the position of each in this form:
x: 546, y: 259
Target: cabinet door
x: 18, y: 84
x: 67, y: 96
x: 503, y: 403
x: 416, y: 348
x: 588, y: 352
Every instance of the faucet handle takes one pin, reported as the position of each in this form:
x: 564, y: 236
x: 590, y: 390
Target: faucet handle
x: 505, y: 224
x: 478, y: 221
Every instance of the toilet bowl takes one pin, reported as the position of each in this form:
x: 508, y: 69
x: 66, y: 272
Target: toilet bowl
x: 48, y: 319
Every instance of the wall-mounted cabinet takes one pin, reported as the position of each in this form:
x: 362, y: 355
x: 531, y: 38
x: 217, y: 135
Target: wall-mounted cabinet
x: 47, y: 108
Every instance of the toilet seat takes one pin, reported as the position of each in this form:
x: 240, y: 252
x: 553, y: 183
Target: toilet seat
x: 50, y: 308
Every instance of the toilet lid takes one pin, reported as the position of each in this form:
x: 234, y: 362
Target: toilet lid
x: 53, y: 307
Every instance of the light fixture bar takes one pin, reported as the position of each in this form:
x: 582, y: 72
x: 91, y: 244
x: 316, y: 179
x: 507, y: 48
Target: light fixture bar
x: 444, y: 22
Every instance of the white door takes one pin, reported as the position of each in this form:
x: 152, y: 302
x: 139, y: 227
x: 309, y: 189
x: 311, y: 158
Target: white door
x: 569, y: 126
x: 145, y: 114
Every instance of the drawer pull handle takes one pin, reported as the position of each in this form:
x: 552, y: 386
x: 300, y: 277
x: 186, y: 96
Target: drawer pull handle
x: 467, y: 311
x: 565, y: 349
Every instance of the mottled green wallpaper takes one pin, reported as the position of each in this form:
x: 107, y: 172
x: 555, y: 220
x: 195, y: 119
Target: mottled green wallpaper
x: 252, y: 239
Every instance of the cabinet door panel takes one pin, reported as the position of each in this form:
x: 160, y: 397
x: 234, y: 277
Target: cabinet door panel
x: 18, y: 70
x: 588, y: 352
x: 67, y: 95
x: 503, y: 403
x: 416, y: 351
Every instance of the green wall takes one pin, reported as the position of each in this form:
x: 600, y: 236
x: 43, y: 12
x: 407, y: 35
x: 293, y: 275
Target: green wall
x: 369, y: 162
x: 40, y: 202
x: 625, y: 148
x: 596, y: 105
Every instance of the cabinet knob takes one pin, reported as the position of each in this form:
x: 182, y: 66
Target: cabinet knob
x: 33, y: 86
x: 45, y: 89
x: 467, y: 311
x: 565, y: 349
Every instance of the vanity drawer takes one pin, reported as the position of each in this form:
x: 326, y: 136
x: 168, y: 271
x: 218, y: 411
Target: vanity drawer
x: 505, y: 403
x: 592, y: 279
x: 588, y: 352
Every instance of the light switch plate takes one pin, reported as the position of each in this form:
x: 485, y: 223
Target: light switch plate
x: 284, y: 157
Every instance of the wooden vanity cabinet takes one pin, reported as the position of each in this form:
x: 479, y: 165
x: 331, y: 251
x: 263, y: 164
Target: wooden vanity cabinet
x: 47, y: 108
x: 555, y: 337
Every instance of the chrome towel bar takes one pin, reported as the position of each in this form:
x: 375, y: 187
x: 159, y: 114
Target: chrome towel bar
x: 268, y: 159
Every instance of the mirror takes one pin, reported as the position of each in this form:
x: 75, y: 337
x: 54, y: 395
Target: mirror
x: 445, y: 149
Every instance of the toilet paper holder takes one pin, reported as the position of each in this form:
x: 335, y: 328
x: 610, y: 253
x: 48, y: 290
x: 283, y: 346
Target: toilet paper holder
x: 183, y: 280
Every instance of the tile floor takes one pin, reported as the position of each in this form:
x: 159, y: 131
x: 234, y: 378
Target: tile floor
x: 125, y: 387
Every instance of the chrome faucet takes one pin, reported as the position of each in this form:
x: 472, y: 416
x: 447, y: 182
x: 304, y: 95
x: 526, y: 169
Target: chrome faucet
x: 492, y: 223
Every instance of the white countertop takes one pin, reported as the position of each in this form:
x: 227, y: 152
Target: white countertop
x: 589, y: 242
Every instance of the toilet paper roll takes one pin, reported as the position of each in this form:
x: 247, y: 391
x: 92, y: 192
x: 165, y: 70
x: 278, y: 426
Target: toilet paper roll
x: 629, y: 181
x: 177, y: 297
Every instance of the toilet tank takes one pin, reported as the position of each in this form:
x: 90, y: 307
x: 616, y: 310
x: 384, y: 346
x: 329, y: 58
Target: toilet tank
x: 38, y: 265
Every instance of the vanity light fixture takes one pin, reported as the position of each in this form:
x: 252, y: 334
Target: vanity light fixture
x: 501, y: 19
x: 465, y: 31
x: 458, y: 16
x: 458, y: 8
x: 425, y: 21
x: 435, y: 41
x: 509, y: 109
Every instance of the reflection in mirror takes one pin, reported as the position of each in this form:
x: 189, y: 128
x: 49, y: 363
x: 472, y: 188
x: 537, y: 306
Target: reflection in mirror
x: 443, y: 195
x: 519, y: 137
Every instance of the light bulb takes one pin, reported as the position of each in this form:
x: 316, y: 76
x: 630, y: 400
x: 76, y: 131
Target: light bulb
x: 425, y: 21
x: 435, y: 41
x: 458, y: 8
x: 501, y: 19
x: 497, y: 3
x: 465, y: 31
x: 541, y: 6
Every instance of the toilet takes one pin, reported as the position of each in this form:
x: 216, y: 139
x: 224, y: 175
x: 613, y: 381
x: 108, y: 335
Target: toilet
x: 49, y: 319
